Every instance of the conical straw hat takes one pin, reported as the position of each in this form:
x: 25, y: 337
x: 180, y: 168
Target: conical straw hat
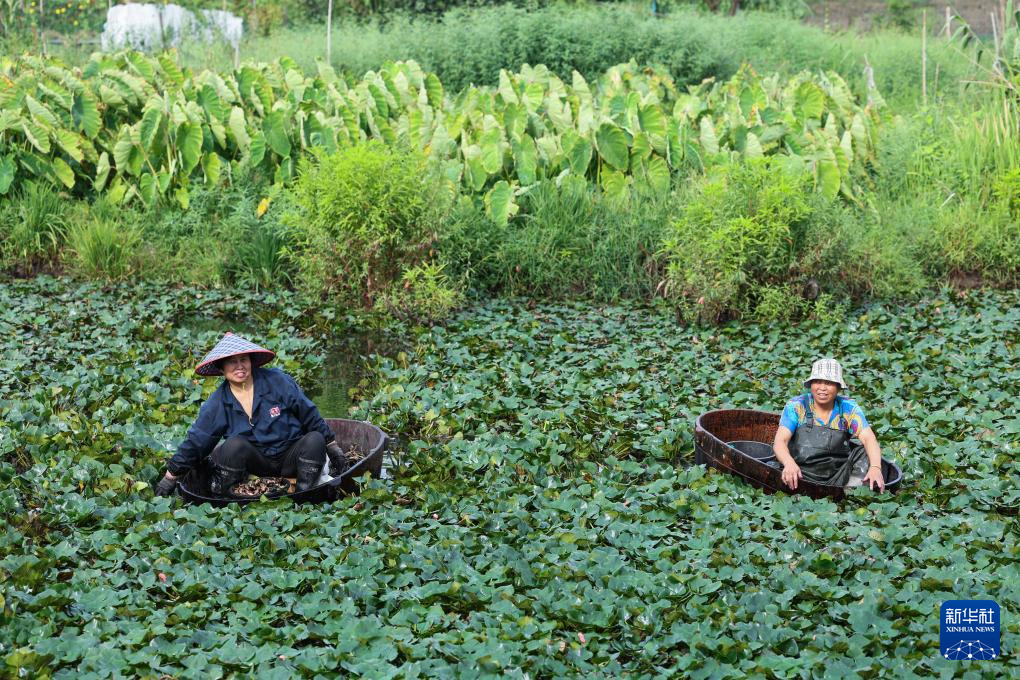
x: 230, y: 346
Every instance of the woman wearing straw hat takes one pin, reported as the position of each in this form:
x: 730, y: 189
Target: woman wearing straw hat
x: 269, y: 426
x: 813, y: 441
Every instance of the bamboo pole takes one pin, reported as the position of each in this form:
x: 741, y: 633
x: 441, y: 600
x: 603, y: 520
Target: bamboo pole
x: 329, y: 33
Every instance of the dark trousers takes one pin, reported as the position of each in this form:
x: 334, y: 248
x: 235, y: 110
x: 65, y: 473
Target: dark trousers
x: 238, y: 456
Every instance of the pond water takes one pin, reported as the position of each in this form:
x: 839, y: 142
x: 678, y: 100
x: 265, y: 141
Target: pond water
x: 346, y: 371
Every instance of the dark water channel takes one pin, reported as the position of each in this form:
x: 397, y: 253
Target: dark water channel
x: 347, y: 374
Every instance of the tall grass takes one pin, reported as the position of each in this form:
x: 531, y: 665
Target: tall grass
x: 32, y: 226
x: 103, y: 248
x: 471, y: 45
x: 568, y: 241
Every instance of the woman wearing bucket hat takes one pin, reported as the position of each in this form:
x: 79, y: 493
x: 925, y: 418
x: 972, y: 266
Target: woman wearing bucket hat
x: 267, y: 424
x: 814, y: 437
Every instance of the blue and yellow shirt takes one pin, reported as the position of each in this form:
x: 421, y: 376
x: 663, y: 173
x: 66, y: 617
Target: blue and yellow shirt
x: 846, y: 415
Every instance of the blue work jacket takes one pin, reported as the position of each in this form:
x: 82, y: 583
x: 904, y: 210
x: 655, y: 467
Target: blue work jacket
x: 280, y: 415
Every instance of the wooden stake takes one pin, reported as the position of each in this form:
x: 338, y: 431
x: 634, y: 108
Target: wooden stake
x: 924, y: 56
x: 995, y: 40
x: 329, y: 33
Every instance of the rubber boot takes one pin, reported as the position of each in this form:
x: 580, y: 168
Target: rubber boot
x: 224, y: 478
x: 308, y: 472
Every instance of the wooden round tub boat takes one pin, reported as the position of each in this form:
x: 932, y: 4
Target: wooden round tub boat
x: 362, y: 436
x: 739, y: 441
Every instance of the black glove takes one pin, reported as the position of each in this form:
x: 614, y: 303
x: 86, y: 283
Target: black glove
x: 166, y: 486
x: 337, y: 459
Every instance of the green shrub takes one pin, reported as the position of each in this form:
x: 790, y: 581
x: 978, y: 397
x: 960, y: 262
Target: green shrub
x: 32, y: 226
x: 977, y: 243
x: 102, y: 248
x: 424, y: 293
x: 739, y: 231
x: 854, y: 252
x: 361, y: 218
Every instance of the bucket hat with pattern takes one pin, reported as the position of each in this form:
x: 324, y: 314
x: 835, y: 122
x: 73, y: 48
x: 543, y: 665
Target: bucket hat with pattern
x: 826, y: 369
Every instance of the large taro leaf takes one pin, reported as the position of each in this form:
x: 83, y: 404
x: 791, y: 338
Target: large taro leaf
x: 189, y: 145
x: 578, y: 152
x: 809, y: 101
x: 170, y: 68
x: 752, y: 146
x: 239, y: 129
x: 499, y: 202
x: 615, y: 185
x: 85, y: 114
x: 70, y: 143
x: 491, y: 145
x: 611, y: 142
x: 152, y: 124
x: 653, y: 123
x: 275, y: 129
x: 7, y: 172
x: 102, y: 172
x: 434, y: 88
x: 707, y: 135
x: 827, y: 176
x: 655, y: 174
x: 36, y: 135
x: 63, y: 172
x: 525, y: 160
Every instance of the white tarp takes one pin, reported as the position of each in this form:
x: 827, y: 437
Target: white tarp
x: 154, y: 27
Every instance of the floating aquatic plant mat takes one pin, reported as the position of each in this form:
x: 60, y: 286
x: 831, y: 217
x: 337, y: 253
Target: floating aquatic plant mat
x: 543, y: 521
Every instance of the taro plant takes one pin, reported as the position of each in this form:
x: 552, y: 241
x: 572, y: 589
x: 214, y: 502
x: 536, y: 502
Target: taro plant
x: 141, y: 127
